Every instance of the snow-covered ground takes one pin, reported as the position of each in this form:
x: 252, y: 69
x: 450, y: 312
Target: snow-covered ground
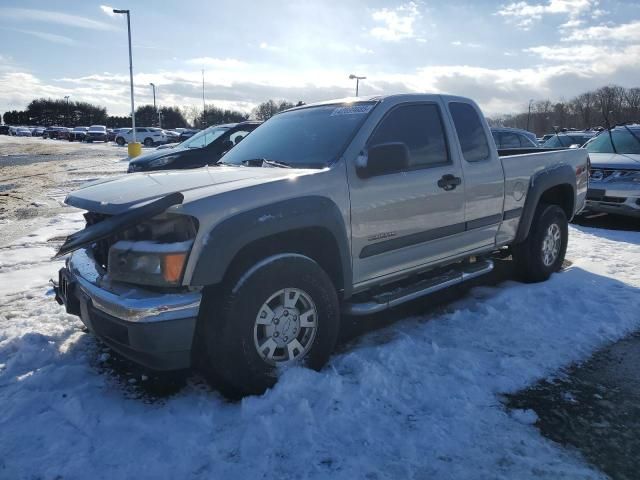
x: 418, y: 399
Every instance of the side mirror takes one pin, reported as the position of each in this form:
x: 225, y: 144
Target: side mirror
x: 382, y: 159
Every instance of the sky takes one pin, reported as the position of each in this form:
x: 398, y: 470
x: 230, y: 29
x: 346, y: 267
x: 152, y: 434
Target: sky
x: 501, y: 54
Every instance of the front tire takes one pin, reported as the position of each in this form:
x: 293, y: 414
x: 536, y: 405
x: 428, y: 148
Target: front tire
x: 282, y: 311
x: 120, y: 141
x: 543, y: 252
x: 148, y: 142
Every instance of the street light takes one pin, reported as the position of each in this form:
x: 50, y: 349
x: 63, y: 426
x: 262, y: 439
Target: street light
x: 357, y: 79
x: 66, y: 115
x: 529, y: 114
x: 133, y: 112
x: 154, y: 98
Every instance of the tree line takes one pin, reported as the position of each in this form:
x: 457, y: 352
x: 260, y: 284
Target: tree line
x: 606, y: 106
x: 46, y: 112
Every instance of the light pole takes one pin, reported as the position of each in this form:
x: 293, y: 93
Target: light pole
x: 66, y: 115
x: 204, y: 108
x: 357, y: 79
x: 529, y: 113
x: 133, y: 111
x: 154, y: 99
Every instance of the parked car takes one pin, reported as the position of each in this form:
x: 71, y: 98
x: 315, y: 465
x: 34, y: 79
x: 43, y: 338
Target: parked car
x: 340, y: 206
x: 507, y: 138
x: 204, y: 148
x: 78, y: 133
x: 53, y: 132
x: 63, y: 133
x: 187, y: 133
x: 23, y: 132
x: 37, y: 131
x: 545, y: 137
x: 148, y: 136
x: 114, y: 133
x: 569, y: 139
x: 172, y: 136
x: 96, y: 133
x: 5, y: 130
x: 614, y: 185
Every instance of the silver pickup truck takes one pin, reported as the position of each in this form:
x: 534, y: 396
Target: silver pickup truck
x: 346, y: 207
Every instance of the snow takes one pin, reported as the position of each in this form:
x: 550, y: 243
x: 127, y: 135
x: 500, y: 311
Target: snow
x: 419, y: 399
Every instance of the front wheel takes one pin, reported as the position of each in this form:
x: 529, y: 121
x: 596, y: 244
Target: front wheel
x: 148, y: 142
x: 120, y: 141
x: 282, y: 311
x: 542, y: 253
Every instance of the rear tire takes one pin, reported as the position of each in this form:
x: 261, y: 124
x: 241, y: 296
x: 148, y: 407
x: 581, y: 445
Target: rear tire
x: 252, y: 330
x: 543, y: 252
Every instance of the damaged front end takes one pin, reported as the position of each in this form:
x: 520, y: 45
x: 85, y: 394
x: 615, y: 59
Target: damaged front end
x: 124, y: 280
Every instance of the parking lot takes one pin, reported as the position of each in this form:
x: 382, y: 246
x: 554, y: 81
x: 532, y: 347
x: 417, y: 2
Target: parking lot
x: 441, y: 367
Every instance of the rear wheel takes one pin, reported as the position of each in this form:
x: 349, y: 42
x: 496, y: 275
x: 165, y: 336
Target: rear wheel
x: 543, y: 252
x: 282, y: 311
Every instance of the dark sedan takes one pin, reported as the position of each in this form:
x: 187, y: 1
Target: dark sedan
x: 204, y: 148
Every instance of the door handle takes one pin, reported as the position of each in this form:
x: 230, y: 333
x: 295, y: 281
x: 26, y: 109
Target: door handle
x: 449, y: 182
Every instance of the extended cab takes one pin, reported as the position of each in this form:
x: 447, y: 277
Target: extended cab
x: 344, y: 207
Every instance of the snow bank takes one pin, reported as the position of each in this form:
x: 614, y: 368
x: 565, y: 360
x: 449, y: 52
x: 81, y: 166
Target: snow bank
x: 420, y: 399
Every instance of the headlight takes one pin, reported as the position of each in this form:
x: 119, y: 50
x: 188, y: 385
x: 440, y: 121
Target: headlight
x: 149, y: 263
x: 160, y: 162
x: 153, y: 252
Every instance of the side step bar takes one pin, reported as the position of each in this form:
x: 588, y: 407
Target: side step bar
x: 398, y: 296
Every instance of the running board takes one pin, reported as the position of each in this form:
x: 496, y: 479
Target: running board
x: 398, y: 296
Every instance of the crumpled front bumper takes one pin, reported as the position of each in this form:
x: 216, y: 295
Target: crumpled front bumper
x: 151, y: 328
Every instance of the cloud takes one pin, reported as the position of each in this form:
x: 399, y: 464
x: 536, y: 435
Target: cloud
x: 47, y: 16
x: 397, y: 24
x: 524, y: 14
x: 107, y: 10
x: 626, y: 32
x: 216, y: 62
x: 49, y: 37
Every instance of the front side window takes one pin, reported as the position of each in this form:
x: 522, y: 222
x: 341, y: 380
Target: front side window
x: 420, y: 128
x: 470, y: 132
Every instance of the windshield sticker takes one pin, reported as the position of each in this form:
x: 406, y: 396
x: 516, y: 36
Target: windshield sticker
x: 352, y: 110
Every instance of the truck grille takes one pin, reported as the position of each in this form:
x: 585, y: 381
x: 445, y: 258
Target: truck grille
x: 100, y: 249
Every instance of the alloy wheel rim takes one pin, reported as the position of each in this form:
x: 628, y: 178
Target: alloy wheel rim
x: 285, y: 327
x: 551, y: 245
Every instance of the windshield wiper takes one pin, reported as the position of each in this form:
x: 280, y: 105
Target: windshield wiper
x: 261, y: 162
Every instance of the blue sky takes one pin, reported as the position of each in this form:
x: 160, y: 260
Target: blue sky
x: 499, y: 53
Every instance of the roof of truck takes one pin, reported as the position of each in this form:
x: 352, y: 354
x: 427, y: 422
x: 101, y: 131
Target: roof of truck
x: 377, y: 98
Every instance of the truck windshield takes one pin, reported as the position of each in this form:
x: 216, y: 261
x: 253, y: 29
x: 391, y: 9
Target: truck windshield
x: 623, y: 139
x: 311, y: 137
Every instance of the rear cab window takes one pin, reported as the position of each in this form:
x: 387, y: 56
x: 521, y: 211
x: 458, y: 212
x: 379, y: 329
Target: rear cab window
x: 470, y: 132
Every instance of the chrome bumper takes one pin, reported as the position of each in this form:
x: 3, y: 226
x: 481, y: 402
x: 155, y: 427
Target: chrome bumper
x: 128, y: 303
x: 621, y: 198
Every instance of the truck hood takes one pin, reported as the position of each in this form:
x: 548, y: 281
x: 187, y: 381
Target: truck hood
x: 615, y: 161
x: 120, y: 194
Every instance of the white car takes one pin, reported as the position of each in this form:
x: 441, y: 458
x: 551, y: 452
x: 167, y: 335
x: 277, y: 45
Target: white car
x: 23, y: 132
x: 148, y: 136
